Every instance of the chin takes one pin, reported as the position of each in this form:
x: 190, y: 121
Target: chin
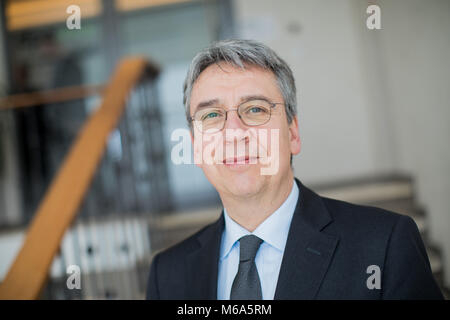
x: 244, y: 184
x: 241, y: 181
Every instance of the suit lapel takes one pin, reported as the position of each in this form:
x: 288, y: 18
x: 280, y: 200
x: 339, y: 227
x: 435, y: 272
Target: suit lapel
x: 203, y: 263
x: 308, y: 251
x: 306, y: 258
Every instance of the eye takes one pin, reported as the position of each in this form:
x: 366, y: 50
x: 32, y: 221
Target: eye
x: 211, y: 115
x: 255, y: 109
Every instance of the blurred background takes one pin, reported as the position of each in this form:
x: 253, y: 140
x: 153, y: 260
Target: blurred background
x: 374, y: 112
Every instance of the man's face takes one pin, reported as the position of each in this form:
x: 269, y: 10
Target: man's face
x: 229, y: 86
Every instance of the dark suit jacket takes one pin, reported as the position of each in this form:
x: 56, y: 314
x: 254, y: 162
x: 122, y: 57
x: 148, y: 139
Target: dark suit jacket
x: 329, y: 248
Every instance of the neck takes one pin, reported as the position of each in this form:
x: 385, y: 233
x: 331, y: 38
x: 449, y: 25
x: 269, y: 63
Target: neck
x: 250, y: 212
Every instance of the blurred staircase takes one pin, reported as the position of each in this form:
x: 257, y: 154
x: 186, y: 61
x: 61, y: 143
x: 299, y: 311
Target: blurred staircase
x: 394, y: 193
x: 26, y: 276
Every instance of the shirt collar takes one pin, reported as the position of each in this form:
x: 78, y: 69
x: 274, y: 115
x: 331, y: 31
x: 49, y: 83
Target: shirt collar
x: 274, y: 230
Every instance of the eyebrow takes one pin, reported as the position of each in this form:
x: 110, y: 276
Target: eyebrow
x: 253, y: 97
x: 209, y: 103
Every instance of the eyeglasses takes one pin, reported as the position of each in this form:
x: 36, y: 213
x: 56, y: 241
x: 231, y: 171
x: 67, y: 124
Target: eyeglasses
x: 252, y: 113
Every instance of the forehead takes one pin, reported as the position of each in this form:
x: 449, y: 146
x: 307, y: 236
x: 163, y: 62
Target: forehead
x: 228, y: 84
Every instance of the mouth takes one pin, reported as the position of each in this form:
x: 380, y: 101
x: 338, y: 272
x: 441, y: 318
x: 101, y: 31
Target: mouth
x: 239, y: 161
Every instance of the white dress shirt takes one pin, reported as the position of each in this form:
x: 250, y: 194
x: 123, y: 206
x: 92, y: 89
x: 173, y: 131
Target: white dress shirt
x: 273, y: 231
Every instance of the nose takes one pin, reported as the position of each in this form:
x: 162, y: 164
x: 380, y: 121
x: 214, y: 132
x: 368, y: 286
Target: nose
x: 233, y: 121
x: 234, y: 128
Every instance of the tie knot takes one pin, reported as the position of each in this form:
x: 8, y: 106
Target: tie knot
x: 249, y: 246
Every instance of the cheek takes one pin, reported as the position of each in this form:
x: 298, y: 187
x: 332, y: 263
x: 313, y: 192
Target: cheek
x: 208, y: 150
x: 285, y: 148
x: 282, y: 144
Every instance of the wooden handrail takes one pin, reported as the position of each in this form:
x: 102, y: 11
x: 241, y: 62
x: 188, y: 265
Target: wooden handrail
x: 32, y: 99
x: 27, y: 276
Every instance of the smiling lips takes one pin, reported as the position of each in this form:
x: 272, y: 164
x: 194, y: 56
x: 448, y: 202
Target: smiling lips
x: 240, y: 161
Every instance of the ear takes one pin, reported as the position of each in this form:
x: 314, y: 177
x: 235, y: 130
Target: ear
x: 294, y: 137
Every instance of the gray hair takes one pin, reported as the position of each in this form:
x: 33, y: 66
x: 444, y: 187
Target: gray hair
x: 238, y: 53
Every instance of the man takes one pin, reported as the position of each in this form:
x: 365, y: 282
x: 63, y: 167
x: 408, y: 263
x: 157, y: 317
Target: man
x: 276, y: 239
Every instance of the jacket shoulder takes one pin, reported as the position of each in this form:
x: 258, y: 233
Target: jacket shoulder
x: 363, y: 218
x: 185, y: 246
x: 389, y: 240
x: 363, y: 231
x: 169, y: 265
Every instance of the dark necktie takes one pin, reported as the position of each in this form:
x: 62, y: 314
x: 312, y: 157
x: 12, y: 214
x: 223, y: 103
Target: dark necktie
x: 246, y: 284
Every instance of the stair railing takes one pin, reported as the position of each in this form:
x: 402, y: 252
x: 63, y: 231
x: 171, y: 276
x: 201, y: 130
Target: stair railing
x: 28, y: 274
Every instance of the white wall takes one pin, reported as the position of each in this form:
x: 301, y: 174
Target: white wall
x: 370, y: 101
x: 415, y: 45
